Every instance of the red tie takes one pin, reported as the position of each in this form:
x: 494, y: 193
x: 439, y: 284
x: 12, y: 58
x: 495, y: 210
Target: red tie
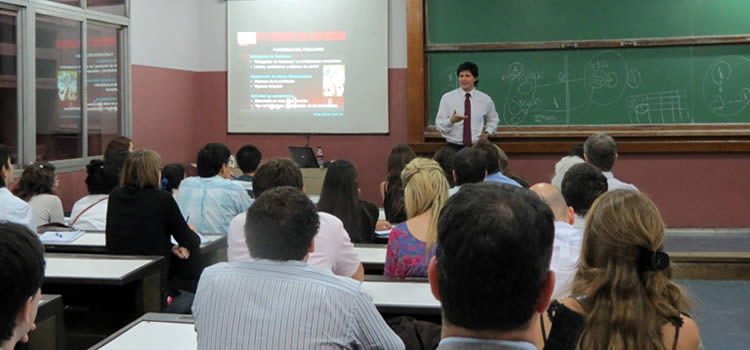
x: 467, y: 121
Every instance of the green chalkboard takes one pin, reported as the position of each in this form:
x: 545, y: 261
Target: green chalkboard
x: 635, y: 86
x: 481, y: 21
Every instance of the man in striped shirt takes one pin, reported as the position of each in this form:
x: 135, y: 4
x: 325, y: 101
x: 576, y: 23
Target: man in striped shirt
x: 278, y: 301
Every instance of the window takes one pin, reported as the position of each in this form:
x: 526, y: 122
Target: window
x: 9, y: 120
x: 58, y: 88
x: 64, y: 84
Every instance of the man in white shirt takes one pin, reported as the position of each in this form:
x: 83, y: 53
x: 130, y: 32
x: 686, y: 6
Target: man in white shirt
x: 12, y: 208
x: 582, y: 185
x: 566, y: 249
x: 334, y: 250
x: 460, y: 117
x: 600, y: 150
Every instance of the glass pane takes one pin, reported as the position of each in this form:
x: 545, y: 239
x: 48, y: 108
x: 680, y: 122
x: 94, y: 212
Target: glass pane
x: 115, y: 7
x: 58, y: 88
x: 103, y: 86
x: 69, y: 2
x: 8, y: 83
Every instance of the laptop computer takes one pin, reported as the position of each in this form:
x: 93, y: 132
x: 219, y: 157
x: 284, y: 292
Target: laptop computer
x: 304, y: 156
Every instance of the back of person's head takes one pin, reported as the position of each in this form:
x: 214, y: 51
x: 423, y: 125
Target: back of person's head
x: 601, y: 151
x: 113, y: 168
x: 425, y: 190
x: 503, y: 160
x: 493, y: 257
x: 562, y: 166
x: 22, y: 272
x: 119, y: 143
x: 470, y: 166
x: 554, y: 198
x: 340, y: 197
x: 446, y: 156
x: 96, y: 181
x: 576, y: 150
x: 248, y: 158
x: 211, y: 158
x: 5, y: 164
x: 398, y: 158
x: 141, y: 169
x: 37, y: 178
x: 281, y: 225
x: 277, y: 172
x: 171, y: 176
x: 472, y: 68
x: 625, y: 275
x: 582, y: 185
x: 490, y: 155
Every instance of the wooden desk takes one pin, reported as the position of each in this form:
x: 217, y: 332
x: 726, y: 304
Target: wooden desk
x: 372, y: 257
x: 50, y: 326
x: 154, y: 331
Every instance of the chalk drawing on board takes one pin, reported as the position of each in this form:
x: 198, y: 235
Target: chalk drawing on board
x: 606, y: 76
x: 659, y: 108
x: 726, y: 85
x: 634, y: 79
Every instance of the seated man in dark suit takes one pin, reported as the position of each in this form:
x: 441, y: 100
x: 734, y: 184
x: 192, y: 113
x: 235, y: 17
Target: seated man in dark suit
x: 21, y: 272
x: 491, y: 270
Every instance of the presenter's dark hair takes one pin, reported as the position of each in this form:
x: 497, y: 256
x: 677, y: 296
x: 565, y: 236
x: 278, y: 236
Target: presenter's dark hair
x: 4, y: 162
x: 446, y: 156
x: 211, y: 158
x: 277, y: 172
x: 506, y: 232
x: 281, y: 224
x: 582, y: 184
x: 470, y: 166
x: 171, y: 176
x: 490, y: 154
x: 340, y: 197
x: 472, y: 68
x: 21, y: 270
x: 248, y: 158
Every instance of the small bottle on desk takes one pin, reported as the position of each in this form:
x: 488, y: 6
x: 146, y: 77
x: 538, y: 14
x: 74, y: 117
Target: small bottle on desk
x: 319, y: 157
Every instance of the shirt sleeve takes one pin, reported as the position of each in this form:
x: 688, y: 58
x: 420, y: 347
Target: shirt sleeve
x: 493, y: 119
x: 236, y: 246
x: 243, y: 200
x: 27, y: 217
x: 442, y: 120
x: 346, y: 258
x: 370, y: 329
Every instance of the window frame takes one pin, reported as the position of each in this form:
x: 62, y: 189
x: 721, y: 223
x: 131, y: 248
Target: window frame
x: 26, y: 21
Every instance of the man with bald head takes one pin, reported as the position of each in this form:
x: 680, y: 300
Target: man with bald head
x: 566, y: 248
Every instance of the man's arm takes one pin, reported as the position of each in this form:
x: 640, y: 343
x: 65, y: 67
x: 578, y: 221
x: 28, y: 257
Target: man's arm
x: 370, y: 329
x: 442, y: 120
x: 493, y: 119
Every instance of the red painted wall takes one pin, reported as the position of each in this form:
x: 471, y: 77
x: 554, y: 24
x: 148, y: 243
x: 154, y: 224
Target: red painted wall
x: 176, y: 112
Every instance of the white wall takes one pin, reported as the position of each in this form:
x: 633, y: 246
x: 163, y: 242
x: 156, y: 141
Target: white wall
x: 191, y: 34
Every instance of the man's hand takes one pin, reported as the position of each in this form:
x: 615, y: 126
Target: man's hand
x: 181, y: 252
x: 455, y: 118
x: 484, y: 135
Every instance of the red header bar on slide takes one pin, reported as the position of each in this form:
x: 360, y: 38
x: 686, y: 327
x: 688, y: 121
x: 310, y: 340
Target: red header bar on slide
x: 301, y: 36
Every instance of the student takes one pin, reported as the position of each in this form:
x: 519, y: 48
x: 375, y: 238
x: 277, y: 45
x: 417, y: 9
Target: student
x: 412, y: 243
x: 38, y: 186
x: 248, y: 159
x: 582, y: 185
x: 171, y: 178
x: 90, y: 212
x: 623, y: 296
x: 491, y: 271
x: 12, y: 208
x: 392, y: 190
x: 211, y: 199
x: 600, y: 150
x: 141, y: 217
x: 340, y: 198
x: 278, y: 300
x: 333, y: 247
x: 445, y: 156
x: 492, y: 159
x: 119, y: 143
x: 460, y: 117
x: 471, y: 167
x: 22, y: 272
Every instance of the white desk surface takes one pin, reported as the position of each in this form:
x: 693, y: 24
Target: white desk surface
x: 99, y: 239
x: 401, y: 294
x: 369, y: 255
x: 156, y: 335
x: 93, y: 268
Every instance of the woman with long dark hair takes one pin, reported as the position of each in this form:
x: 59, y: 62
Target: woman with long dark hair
x: 340, y: 198
x: 392, y: 189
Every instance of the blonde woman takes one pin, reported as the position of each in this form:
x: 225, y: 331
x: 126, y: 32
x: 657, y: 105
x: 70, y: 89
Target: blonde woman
x: 623, y: 295
x: 141, y: 217
x: 411, y: 244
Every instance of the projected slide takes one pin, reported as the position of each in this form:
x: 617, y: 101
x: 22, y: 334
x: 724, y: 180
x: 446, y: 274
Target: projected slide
x: 304, y: 72
x: 321, y: 67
